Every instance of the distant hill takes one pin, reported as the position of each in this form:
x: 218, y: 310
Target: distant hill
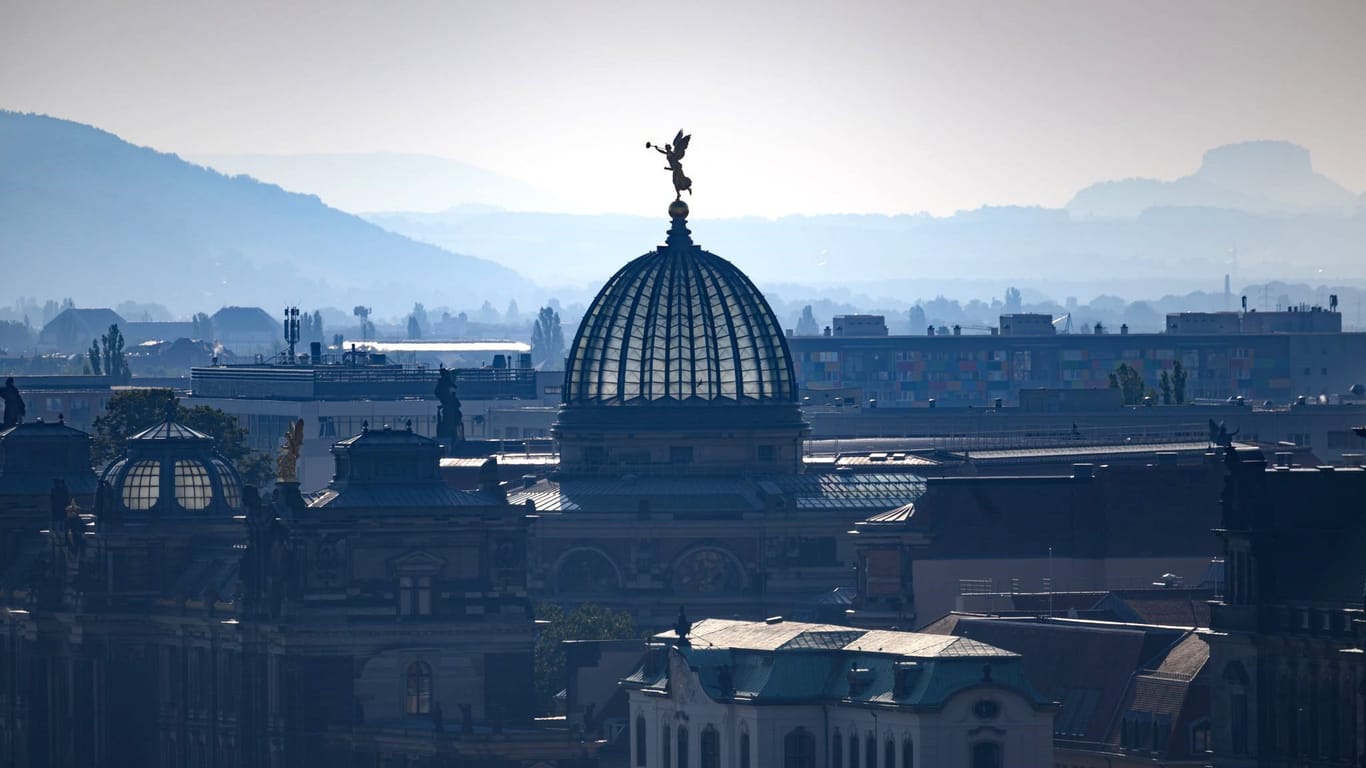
x: 87, y: 215
x: 387, y: 181
x: 1266, y: 177
x: 982, y: 251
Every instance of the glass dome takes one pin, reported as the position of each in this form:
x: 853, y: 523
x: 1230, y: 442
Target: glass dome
x: 679, y: 325
x: 170, y: 469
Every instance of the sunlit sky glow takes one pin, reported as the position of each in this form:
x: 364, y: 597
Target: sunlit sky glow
x: 796, y: 107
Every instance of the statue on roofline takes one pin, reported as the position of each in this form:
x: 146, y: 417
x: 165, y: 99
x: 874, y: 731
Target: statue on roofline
x: 287, y: 463
x: 673, y: 153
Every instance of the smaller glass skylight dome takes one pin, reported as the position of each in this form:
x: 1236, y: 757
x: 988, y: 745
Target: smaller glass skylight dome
x: 171, y: 470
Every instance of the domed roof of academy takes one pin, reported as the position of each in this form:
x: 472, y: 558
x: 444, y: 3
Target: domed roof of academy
x: 679, y: 326
x: 172, y: 470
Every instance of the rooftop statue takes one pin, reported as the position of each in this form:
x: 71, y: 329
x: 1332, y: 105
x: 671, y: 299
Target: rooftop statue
x: 14, y: 404
x: 450, y: 422
x: 287, y: 463
x: 674, y: 154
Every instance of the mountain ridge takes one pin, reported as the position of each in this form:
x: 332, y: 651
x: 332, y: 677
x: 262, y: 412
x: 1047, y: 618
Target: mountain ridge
x: 84, y: 213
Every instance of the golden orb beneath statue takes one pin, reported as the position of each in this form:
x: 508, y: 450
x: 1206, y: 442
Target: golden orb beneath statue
x: 678, y: 210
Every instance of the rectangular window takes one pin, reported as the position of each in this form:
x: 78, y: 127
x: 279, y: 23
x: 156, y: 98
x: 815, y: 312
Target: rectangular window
x: 680, y: 454
x: 406, y: 597
x: 768, y: 453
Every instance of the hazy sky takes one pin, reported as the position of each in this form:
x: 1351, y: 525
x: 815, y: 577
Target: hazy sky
x: 795, y: 106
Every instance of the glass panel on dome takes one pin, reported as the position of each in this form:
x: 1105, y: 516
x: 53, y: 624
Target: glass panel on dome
x: 142, y: 485
x: 192, y: 487
x: 232, y: 495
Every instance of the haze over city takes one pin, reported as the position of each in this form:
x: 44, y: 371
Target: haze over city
x: 453, y: 384
x: 802, y: 108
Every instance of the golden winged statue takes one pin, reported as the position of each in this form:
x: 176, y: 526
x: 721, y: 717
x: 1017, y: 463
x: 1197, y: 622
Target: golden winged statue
x: 287, y: 463
x: 673, y: 153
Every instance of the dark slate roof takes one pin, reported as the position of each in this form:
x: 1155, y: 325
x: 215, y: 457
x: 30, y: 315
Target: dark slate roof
x: 710, y: 495
x: 83, y: 321
x: 230, y: 320
x: 401, y: 496
x: 1086, y: 667
x: 1123, y: 511
x: 1098, y: 671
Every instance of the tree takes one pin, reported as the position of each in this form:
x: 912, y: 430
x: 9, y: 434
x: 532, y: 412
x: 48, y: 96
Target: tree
x: 414, y: 328
x: 423, y: 324
x: 311, y: 327
x: 547, y: 339
x: 94, y: 354
x: 1164, y: 383
x: 918, y: 320
x: 807, y: 325
x: 131, y: 411
x: 586, y: 622
x: 513, y: 315
x: 112, y: 360
x: 15, y: 336
x: 1014, y: 303
x: 1129, y: 383
x: 1179, y: 382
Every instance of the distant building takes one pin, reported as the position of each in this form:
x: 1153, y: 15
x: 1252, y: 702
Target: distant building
x: 72, y: 330
x: 1301, y: 319
x: 783, y: 693
x: 859, y: 325
x: 978, y: 369
x: 337, y: 397
x: 1027, y: 324
x: 248, y: 330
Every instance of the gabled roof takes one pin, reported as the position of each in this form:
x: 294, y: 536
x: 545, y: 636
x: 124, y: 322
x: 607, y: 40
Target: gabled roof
x: 229, y: 320
x: 80, y: 325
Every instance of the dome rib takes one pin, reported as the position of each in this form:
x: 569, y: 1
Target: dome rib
x: 679, y: 325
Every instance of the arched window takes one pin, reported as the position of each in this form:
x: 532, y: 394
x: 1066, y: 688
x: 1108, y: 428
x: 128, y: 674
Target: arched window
x: 907, y: 753
x: 853, y: 748
x: 641, y: 746
x: 744, y: 747
x: 986, y: 754
x: 799, y: 749
x: 586, y: 571
x: 682, y: 746
x: 665, y: 748
x: 889, y: 755
x: 870, y: 751
x: 418, y: 700
x: 836, y: 749
x: 710, y: 747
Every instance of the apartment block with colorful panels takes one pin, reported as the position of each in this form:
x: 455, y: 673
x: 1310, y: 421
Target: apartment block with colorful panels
x: 960, y: 370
